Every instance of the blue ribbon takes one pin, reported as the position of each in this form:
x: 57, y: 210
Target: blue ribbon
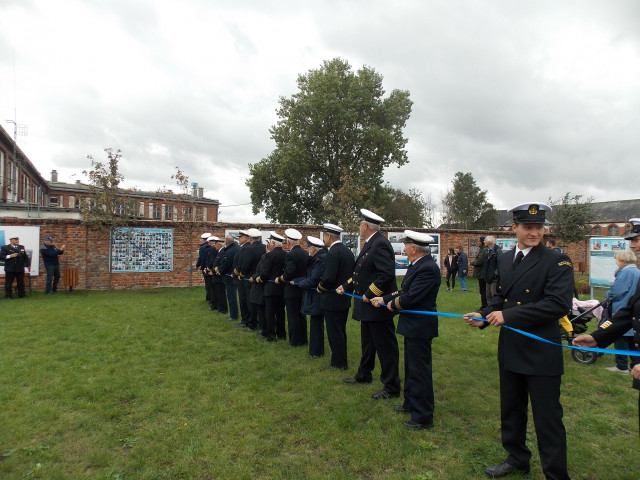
x: 611, y: 351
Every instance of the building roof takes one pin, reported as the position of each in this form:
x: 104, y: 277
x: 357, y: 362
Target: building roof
x: 79, y: 187
x: 616, y: 211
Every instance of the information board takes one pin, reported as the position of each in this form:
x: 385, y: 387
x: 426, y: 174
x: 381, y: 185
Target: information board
x: 142, y: 250
x: 602, y: 264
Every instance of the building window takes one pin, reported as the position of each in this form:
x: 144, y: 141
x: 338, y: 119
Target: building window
x: 53, y: 201
x: 156, y: 212
x: 597, y: 231
x: 168, y: 212
x: 141, y: 210
x: 613, y: 231
x: 188, y: 213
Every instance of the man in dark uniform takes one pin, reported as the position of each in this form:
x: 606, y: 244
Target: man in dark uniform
x: 216, y: 279
x: 201, y: 263
x: 209, y: 261
x: 271, y: 268
x: 419, y: 291
x: 225, y: 269
x: 310, y: 297
x: 625, y: 318
x: 247, y: 268
x: 244, y: 241
x: 374, y: 275
x: 295, y: 267
x: 15, y: 260
x: 338, y: 267
x: 535, y: 287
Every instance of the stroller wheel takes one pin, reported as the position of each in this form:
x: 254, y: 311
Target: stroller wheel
x: 583, y: 356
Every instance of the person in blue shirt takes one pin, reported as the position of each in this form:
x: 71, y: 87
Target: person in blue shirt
x: 50, y: 256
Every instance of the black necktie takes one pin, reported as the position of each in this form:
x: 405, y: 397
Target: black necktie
x: 518, y: 259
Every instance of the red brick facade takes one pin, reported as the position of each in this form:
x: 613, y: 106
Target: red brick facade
x: 87, y: 250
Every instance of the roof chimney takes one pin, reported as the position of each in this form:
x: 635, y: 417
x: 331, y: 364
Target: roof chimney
x: 54, y: 176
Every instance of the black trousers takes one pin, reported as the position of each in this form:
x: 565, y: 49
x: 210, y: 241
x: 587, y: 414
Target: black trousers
x: 336, y: 321
x: 253, y: 309
x: 208, y: 287
x: 275, y: 324
x: 316, y: 335
x: 296, y: 321
x: 418, y: 380
x: 483, y: 292
x: 8, y: 283
x: 261, y: 317
x: 452, y: 276
x: 243, y: 300
x: 544, y: 392
x: 220, y: 295
x: 380, y: 337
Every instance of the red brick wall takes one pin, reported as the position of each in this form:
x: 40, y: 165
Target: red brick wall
x: 88, y: 251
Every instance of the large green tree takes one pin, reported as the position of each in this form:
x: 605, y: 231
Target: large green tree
x: 407, y: 209
x: 571, y: 217
x: 338, y: 121
x: 466, y: 206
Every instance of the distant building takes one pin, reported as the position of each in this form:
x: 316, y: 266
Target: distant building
x: 24, y: 193
x: 609, y: 218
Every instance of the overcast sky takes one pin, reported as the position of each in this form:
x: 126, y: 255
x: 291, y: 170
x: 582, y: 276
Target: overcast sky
x: 534, y: 98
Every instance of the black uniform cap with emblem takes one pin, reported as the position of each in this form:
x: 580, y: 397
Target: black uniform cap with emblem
x: 633, y: 230
x: 530, y: 212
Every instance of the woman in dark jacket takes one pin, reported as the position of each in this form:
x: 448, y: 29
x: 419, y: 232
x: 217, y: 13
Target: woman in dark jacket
x: 310, y: 298
x: 451, y: 265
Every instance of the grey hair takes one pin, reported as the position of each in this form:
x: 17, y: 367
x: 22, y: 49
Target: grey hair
x: 626, y: 256
x: 491, y: 240
x: 373, y: 226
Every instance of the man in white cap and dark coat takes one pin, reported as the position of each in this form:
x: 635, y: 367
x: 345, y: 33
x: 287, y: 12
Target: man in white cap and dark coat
x: 247, y: 265
x: 418, y: 292
x: 338, y: 268
x: 271, y: 267
x: 201, y: 263
x: 243, y: 301
x: 534, y: 290
x: 295, y: 267
x: 625, y: 318
x: 310, y: 297
x: 374, y: 275
x: 15, y: 261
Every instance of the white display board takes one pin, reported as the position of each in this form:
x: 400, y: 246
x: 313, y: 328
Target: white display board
x: 602, y: 264
x: 29, y: 237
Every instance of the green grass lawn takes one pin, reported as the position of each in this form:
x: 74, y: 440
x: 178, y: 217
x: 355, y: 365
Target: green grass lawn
x: 149, y: 384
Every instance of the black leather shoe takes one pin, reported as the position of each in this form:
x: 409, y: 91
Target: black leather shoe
x: 502, y: 470
x: 411, y: 425
x: 401, y: 409
x: 333, y: 367
x: 383, y: 395
x: 357, y: 380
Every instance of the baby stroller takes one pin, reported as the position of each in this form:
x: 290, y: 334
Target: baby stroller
x: 576, y: 323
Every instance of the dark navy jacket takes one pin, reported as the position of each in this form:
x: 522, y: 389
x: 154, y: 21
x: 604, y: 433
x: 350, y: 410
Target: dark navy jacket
x: 50, y: 255
x: 418, y: 292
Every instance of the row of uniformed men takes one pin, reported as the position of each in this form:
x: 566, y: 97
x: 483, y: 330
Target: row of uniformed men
x: 281, y: 276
